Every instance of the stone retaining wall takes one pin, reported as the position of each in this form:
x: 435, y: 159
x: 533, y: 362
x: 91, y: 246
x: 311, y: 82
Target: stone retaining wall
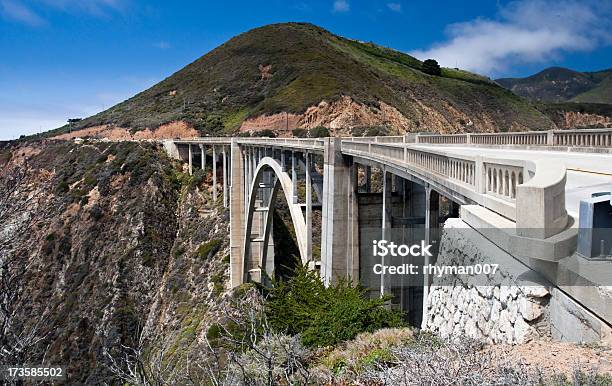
x: 513, y: 306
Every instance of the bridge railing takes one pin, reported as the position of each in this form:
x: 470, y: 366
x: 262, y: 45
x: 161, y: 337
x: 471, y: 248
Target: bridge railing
x: 316, y: 144
x: 584, y: 138
x: 442, y: 138
x: 383, y: 139
x: 596, y: 138
x: 493, y: 183
x: 203, y: 140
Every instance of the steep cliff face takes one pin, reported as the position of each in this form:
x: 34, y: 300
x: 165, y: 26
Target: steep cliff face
x: 98, y: 242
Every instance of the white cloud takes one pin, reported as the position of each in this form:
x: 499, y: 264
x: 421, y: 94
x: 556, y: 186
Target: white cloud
x: 92, y: 7
x: 14, y: 10
x: 341, y: 6
x: 26, y: 12
x: 525, y: 32
x: 395, y: 7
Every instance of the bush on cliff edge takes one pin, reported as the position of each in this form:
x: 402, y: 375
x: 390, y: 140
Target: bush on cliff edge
x: 325, y: 316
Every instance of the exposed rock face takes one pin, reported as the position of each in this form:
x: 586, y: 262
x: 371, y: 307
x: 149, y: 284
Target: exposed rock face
x: 576, y: 119
x: 341, y: 116
x: 281, y: 122
x: 170, y: 130
x: 345, y: 114
x: 99, y: 241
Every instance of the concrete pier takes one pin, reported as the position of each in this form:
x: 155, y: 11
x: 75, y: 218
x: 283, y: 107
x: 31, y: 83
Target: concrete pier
x: 237, y: 214
x: 337, y: 249
x: 214, y: 174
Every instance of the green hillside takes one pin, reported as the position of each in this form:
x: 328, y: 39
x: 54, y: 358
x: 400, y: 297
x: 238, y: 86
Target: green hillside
x: 289, y: 67
x: 557, y: 84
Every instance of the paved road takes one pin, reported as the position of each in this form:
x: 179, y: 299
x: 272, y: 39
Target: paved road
x: 587, y: 173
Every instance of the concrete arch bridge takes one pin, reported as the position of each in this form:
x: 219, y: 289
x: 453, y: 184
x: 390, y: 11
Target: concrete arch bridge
x: 520, y: 191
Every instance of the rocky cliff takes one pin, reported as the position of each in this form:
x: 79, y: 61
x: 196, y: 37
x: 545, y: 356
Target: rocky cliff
x: 100, y: 243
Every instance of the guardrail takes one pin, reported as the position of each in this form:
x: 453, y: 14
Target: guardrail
x: 314, y: 144
x: 582, y: 138
x: 497, y: 184
x: 597, y: 138
x: 408, y: 138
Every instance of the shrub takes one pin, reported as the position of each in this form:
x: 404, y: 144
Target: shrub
x: 319, y: 132
x: 431, y: 67
x: 62, y: 187
x: 300, y: 133
x: 209, y: 248
x: 275, y: 359
x: 325, y: 316
x: 370, y: 131
x: 264, y: 133
x: 365, y: 351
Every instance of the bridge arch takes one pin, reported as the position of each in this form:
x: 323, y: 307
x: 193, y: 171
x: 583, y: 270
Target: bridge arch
x: 282, y: 181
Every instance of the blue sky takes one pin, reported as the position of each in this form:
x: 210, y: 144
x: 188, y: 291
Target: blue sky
x: 72, y: 58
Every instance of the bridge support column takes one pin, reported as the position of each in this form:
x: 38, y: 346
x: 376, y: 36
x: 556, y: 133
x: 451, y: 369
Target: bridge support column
x: 202, y: 157
x: 432, y: 225
x: 338, y: 250
x: 282, y: 160
x: 308, y: 207
x: 294, y: 178
x: 225, y: 173
x: 386, y: 222
x: 190, y: 160
x: 214, y: 175
x: 368, y: 178
x: 245, y: 176
x: 237, y: 214
x: 267, y: 250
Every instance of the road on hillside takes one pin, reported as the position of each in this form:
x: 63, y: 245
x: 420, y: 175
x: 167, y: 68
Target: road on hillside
x: 587, y: 172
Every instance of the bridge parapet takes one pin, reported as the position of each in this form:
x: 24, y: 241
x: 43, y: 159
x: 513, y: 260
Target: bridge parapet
x: 596, y: 138
x: 541, y: 211
x: 577, y: 138
x: 313, y: 144
x: 500, y: 185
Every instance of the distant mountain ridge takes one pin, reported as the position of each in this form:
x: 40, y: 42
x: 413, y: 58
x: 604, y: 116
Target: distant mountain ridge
x: 290, y: 75
x: 558, y: 84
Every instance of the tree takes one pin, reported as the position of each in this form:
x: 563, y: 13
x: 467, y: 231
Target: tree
x: 431, y: 67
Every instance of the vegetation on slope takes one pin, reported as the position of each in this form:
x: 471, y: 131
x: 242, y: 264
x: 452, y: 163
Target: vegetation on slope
x: 325, y: 316
x: 289, y: 67
x: 557, y: 84
x: 98, y: 241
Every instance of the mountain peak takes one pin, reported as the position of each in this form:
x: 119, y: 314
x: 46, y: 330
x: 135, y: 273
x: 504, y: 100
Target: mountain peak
x: 559, y: 84
x: 292, y: 68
